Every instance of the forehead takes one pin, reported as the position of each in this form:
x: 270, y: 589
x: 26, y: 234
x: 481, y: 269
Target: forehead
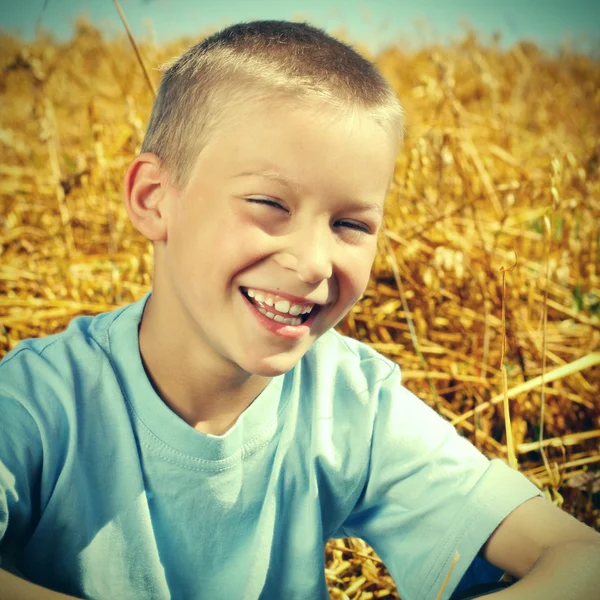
x: 306, y: 144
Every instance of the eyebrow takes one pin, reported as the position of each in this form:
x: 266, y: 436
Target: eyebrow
x: 273, y: 175
x: 269, y: 175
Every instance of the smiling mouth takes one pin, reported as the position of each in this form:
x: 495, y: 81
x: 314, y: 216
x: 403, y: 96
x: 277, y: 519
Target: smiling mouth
x: 280, y: 316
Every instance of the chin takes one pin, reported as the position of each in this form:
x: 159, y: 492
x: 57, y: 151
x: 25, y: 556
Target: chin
x: 273, y: 366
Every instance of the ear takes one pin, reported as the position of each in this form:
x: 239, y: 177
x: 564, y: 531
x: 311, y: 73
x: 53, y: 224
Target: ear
x: 146, y: 190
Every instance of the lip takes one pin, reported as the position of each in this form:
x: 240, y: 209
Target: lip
x: 293, y: 332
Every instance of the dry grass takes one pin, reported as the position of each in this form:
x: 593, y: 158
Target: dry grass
x: 500, y: 168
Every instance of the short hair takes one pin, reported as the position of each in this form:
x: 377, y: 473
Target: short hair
x: 251, y: 62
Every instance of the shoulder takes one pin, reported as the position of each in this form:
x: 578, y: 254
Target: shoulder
x: 67, y: 349
x: 42, y: 374
x: 82, y: 331
x: 345, y: 378
x: 345, y: 357
x: 337, y: 389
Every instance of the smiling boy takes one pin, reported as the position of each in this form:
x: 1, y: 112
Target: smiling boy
x: 206, y: 441
x: 280, y: 214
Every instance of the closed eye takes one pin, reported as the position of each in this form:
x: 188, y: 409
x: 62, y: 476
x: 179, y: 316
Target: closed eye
x: 267, y: 203
x: 358, y: 227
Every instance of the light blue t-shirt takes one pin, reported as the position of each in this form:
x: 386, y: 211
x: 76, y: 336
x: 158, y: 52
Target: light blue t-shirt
x: 105, y: 493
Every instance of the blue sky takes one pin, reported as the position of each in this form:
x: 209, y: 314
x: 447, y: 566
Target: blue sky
x: 375, y: 22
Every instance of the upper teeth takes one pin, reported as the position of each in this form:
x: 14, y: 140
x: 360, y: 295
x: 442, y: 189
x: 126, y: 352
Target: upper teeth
x: 283, y: 306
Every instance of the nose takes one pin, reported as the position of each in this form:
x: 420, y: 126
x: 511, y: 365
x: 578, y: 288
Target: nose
x: 309, y: 254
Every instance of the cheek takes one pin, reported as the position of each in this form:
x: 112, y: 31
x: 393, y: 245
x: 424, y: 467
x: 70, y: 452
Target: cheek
x: 246, y: 246
x: 191, y: 251
x: 356, y: 273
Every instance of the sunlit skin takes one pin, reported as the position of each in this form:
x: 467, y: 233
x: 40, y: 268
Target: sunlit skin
x: 283, y: 199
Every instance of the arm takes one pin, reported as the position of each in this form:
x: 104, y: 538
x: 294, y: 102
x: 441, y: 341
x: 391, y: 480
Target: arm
x: 555, y: 556
x: 15, y: 588
x: 21, y: 461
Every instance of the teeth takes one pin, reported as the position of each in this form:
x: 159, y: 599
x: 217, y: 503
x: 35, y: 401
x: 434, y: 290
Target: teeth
x: 282, y: 306
x: 279, y: 318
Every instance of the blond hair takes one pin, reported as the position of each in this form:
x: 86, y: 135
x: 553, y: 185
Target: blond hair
x: 256, y: 61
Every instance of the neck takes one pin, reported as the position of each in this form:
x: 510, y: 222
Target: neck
x: 205, y: 390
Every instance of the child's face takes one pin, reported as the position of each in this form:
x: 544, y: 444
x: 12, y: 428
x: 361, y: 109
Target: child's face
x: 281, y: 202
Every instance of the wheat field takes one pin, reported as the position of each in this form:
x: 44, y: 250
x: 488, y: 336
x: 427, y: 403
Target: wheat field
x: 486, y: 286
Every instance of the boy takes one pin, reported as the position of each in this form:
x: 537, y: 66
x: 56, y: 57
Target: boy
x: 207, y: 440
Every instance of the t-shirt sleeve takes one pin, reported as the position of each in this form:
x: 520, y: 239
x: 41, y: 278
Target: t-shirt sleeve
x: 428, y: 494
x: 20, y: 467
